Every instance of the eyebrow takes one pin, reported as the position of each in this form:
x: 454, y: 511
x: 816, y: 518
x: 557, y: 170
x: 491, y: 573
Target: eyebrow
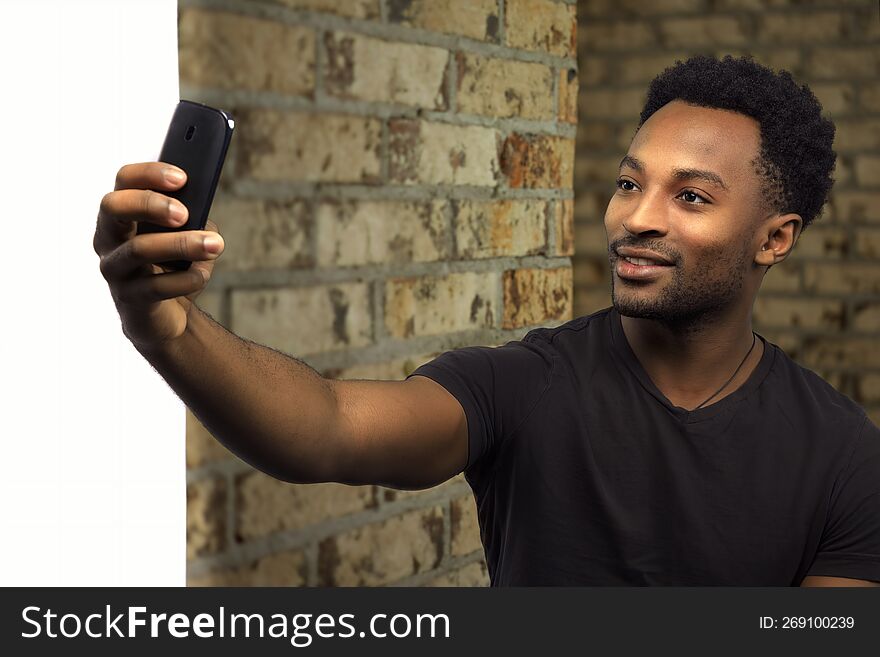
x: 678, y: 173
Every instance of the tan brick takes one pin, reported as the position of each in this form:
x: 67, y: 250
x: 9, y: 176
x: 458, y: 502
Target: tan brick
x: 840, y: 352
x: 282, y: 569
x: 304, y: 320
x: 282, y: 146
x: 351, y: 8
x: 535, y: 296
x: 541, y: 25
x: 441, y: 153
x: 592, y: 71
x: 789, y: 59
x: 473, y: 574
x: 265, y: 505
x: 383, y: 552
x: 397, y: 494
x: 616, y: 36
x: 866, y: 316
x: 783, y: 277
x: 835, y: 99
x: 589, y: 271
x: 869, y: 96
x: 598, y: 169
x: 590, y: 205
x: 430, y: 305
x: 868, y: 387
x: 477, y: 19
x: 503, y: 88
x: 564, y: 227
x: 801, y: 313
x: 224, y: 50
x: 836, y: 63
x: 211, y: 302
x: 868, y: 170
x: 653, y: 8
x: 201, y: 446
x: 857, y: 134
x: 595, y: 135
x: 489, y: 229
x: 263, y: 234
x: 702, y: 32
x: 867, y: 243
x: 843, y: 277
x: 538, y: 161
x: 589, y: 300
x: 874, y: 414
x: 205, y: 517
x: 612, y: 104
x: 856, y: 206
x: 364, y: 68
x: 641, y: 69
x: 591, y: 240
x: 568, y: 95
x: 381, y: 232
x: 387, y: 370
x: 823, y: 242
x: 808, y: 28
x: 465, y: 529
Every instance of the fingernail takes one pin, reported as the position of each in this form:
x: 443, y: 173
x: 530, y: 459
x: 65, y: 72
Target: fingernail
x: 174, y: 176
x: 212, y: 244
x: 177, y: 211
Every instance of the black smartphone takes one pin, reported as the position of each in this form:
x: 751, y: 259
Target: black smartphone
x: 197, y: 140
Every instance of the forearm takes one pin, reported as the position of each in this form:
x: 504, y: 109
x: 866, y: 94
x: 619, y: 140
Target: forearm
x: 269, y: 409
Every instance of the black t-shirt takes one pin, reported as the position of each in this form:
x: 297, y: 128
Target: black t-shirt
x: 584, y: 473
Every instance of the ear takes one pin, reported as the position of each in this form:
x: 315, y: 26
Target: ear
x: 783, y: 231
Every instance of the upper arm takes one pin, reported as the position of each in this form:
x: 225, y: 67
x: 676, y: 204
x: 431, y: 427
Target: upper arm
x: 821, y: 580
x: 401, y: 434
x: 850, y: 543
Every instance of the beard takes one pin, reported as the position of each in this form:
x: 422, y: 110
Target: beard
x: 690, y: 299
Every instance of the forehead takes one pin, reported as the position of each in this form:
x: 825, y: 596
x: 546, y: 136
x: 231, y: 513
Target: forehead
x: 682, y: 135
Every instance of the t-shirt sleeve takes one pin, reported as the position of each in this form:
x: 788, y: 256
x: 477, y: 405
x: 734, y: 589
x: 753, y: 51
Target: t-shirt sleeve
x: 496, y: 386
x: 850, y: 543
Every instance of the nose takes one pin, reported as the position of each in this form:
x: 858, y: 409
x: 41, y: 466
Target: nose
x: 645, y: 213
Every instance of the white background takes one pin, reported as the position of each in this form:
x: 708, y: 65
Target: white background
x: 92, y: 491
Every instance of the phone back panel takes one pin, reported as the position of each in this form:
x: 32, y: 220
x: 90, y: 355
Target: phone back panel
x: 197, y: 140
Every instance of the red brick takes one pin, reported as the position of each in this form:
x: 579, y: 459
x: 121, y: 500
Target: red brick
x: 535, y: 296
x: 538, y: 161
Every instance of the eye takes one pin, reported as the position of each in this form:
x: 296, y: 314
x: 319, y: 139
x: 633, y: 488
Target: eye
x: 690, y: 196
x: 622, y: 182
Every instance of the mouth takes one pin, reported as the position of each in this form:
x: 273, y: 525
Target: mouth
x: 639, y: 268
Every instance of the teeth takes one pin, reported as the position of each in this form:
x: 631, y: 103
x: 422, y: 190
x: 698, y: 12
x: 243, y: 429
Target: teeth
x: 640, y: 261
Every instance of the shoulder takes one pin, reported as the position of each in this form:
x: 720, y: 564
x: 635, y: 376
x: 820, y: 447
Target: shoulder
x: 578, y: 327
x: 806, y: 391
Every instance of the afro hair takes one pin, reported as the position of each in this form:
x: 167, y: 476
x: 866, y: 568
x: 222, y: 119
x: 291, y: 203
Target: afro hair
x: 796, y: 158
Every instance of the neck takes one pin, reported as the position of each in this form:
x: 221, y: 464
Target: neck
x: 688, y: 362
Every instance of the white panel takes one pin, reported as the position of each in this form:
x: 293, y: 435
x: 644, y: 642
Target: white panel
x: 93, y: 486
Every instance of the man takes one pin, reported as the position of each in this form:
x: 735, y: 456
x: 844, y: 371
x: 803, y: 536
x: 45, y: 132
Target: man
x: 656, y: 442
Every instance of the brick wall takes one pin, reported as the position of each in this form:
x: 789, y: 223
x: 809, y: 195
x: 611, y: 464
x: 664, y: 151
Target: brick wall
x: 400, y: 183
x: 820, y: 305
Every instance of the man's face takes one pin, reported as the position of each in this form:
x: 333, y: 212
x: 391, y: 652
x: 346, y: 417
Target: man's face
x: 688, y: 191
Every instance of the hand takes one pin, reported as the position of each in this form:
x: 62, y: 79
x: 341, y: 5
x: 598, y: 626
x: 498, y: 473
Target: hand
x: 153, y: 302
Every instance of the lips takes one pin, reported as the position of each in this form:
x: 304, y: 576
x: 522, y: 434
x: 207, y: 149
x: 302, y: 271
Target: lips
x: 644, y: 254
x: 631, y: 270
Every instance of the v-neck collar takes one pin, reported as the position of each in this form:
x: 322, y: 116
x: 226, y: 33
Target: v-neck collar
x: 625, y: 352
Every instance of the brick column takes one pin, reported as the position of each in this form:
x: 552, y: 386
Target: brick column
x: 400, y: 184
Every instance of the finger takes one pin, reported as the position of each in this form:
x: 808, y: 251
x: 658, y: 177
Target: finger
x: 150, y: 289
x: 120, y: 210
x: 148, y: 175
x: 137, y: 254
